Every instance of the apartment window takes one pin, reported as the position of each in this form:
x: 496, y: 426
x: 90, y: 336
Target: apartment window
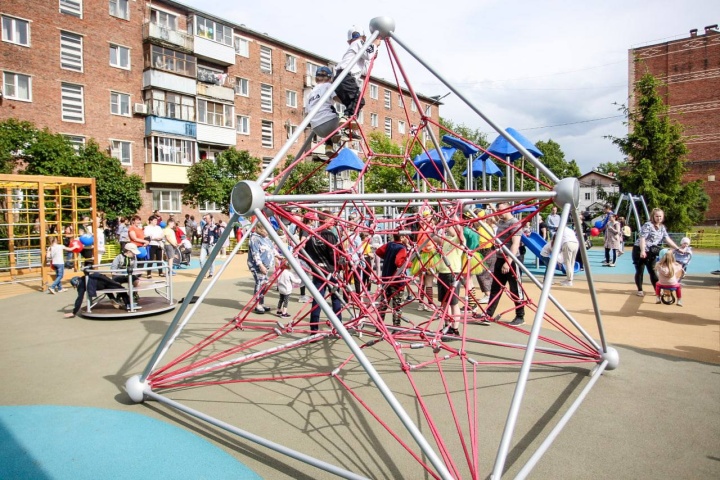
x: 120, y: 104
x: 163, y: 19
x: 267, y: 134
x: 212, y: 113
x: 428, y: 110
x: 166, y: 200
x: 170, y: 61
x: 413, y: 107
x: 121, y: 150
x: 401, y: 127
x: 587, y: 195
x: 242, y: 46
x: 311, y: 69
x: 373, y: 120
x: 242, y: 87
x: 71, y: 51
x: 265, y: 59
x: 400, y: 100
x: 214, y: 31
x: 266, y: 94
x: 71, y: 7
x: 388, y: 99
x: 16, y: 30
x: 388, y: 127
x: 174, y: 151
x: 120, y: 56
x: 291, y: 98
x: 243, y: 125
x: 290, y: 63
x: 211, y: 75
x: 291, y: 129
x: 77, y: 141
x: 119, y: 8
x: 208, y: 207
x: 361, y: 117
x: 170, y: 105
x: 17, y: 86
x: 373, y: 91
x: 71, y: 100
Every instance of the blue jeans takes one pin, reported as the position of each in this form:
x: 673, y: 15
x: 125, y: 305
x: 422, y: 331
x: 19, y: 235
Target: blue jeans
x: 59, y: 271
x: 205, y: 249
x: 315, y: 311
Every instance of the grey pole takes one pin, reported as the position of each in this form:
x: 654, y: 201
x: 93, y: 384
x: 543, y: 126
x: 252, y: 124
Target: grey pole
x: 529, y: 352
x: 502, y: 132
x: 410, y: 196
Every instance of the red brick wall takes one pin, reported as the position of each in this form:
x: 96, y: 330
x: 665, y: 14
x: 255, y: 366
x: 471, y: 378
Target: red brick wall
x: 690, y: 67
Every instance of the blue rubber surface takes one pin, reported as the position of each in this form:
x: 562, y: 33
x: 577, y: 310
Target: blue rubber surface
x: 59, y: 442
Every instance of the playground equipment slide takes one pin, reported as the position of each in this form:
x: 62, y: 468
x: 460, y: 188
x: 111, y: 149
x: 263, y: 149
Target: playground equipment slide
x: 536, y: 243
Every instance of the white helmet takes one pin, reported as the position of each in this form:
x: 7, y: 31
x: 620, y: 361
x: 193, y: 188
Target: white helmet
x: 355, y: 32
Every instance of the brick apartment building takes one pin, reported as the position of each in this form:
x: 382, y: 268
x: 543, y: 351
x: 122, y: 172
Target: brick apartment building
x: 163, y: 86
x: 690, y: 69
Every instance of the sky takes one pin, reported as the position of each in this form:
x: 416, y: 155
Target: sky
x: 551, y: 69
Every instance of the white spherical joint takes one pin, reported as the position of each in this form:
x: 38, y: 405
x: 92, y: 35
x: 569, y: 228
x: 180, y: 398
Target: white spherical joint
x: 568, y: 191
x: 136, y: 389
x: 246, y: 196
x: 613, y: 358
x: 384, y: 25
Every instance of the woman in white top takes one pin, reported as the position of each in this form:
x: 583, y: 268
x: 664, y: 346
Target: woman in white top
x: 154, y: 233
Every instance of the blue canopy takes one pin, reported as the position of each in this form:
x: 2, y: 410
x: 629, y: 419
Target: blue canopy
x: 466, y: 148
x: 503, y: 149
x: 346, y: 159
x: 432, y: 167
x: 490, y: 168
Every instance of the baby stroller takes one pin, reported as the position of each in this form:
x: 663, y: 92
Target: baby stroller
x: 183, y: 253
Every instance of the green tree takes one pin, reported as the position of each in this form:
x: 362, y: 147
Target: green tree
x: 15, y: 137
x: 306, y: 178
x: 473, y: 135
x: 389, y: 176
x: 609, y: 168
x: 554, y: 159
x: 213, y: 180
x: 655, y: 153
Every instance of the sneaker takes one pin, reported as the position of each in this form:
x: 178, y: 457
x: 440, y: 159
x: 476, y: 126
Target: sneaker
x: 517, y: 321
x: 605, y: 263
x: 679, y: 302
x: 303, y: 299
x: 658, y: 300
x: 612, y: 264
x: 620, y: 252
x: 640, y: 293
x: 209, y: 276
x: 452, y: 331
x: 409, y: 298
x: 566, y: 283
x: 51, y: 291
x: 137, y: 307
x: 259, y: 310
x: 286, y: 315
x: 421, y: 308
x: 484, y: 300
x: 279, y: 313
x: 329, y: 150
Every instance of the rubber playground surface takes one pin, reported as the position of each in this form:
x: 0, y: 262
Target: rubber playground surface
x: 65, y: 414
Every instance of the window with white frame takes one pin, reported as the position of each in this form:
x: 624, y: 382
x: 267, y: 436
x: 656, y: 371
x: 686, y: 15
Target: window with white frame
x: 17, y: 86
x: 291, y: 129
x: 388, y: 99
x: 121, y: 150
x: 77, y: 141
x: 401, y: 127
x: 71, y: 51
x: 174, y: 151
x: 587, y: 195
x: 212, y: 30
x: 243, y: 125
x: 120, y: 104
x: 265, y: 59
x: 400, y: 100
x: 413, y: 107
x: 72, y: 104
x: 373, y: 91
x: 166, y: 200
x: 388, y: 127
x: 428, y: 110
x: 242, y: 46
x: 290, y: 63
x: 164, y: 19
x: 120, y: 56
x: 311, y: 69
x: 213, y: 113
x: 291, y: 98
x: 266, y: 97
x: 373, y: 120
x: 267, y: 134
x: 15, y: 30
x: 207, y: 206
x: 120, y: 9
x: 361, y: 117
x: 170, y: 104
x: 242, y: 87
x: 71, y: 7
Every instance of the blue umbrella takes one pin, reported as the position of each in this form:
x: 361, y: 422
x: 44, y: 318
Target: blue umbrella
x: 503, y: 149
x: 490, y: 168
x: 346, y: 159
x: 466, y: 148
x: 432, y: 167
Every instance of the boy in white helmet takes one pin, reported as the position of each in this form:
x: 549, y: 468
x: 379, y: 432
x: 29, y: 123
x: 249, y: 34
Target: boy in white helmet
x: 349, y: 89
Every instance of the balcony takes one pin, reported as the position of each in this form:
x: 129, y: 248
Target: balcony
x: 169, y: 81
x: 216, y: 135
x: 168, y: 38
x: 214, y: 51
x: 216, y: 91
x: 170, y: 125
x: 166, y: 173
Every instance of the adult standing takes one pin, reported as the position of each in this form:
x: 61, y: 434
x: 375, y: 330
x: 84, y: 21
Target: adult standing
x: 394, y: 254
x: 508, y: 232
x: 613, y: 240
x: 136, y: 234
x: 122, y: 232
x: 320, y: 251
x: 553, y: 221
x: 647, y: 248
x: 569, y: 246
x: 171, y: 244
x: 208, y: 238
x: 261, y: 259
x: 155, y: 234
